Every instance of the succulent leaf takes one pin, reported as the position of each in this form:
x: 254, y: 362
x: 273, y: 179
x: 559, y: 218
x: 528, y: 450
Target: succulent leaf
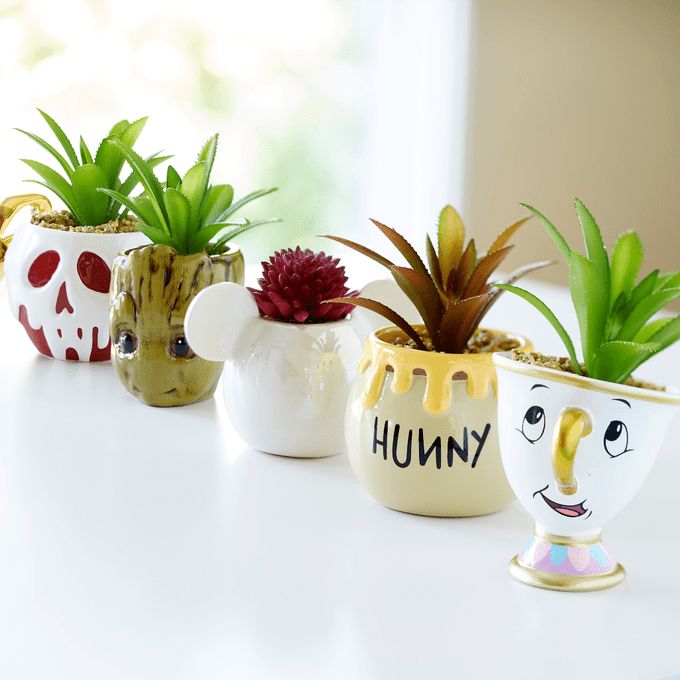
x: 627, y: 259
x: 550, y: 317
x: 389, y: 314
x: 296, y: 283
x: 557, y: 238
x: 506, y: 235
x: 420, y: 289
x: 83, y: 191
x: 61, y: 137
x: 450, y: 240
x: 92, y: 204
x: 404, y: 247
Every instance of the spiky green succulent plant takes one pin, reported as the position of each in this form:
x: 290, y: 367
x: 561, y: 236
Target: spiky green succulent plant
x: 614, y: 310
x: 186, y: 212
x: 78, y: 182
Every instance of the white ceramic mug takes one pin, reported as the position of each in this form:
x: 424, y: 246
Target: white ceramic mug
x: 58, y: 285
x: 575, y: 451
x: 285, y: 384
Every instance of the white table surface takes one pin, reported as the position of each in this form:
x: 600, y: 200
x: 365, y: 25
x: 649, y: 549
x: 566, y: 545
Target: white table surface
x: 150, y: 544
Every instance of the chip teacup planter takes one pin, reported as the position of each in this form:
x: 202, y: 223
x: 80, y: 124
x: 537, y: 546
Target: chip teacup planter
x: 290, y: 358
x: 578, y: 439
x: 575, y: 451
x: 153, y: 286
x: 58, y: 264
x: 420, y: 426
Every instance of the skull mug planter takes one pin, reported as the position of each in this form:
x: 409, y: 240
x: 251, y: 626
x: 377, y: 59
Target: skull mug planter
x: 575, y: 451
x: 151, y: 290
x: 58, y: 283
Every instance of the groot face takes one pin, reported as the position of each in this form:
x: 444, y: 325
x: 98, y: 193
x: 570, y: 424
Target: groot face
x: 151, y: 290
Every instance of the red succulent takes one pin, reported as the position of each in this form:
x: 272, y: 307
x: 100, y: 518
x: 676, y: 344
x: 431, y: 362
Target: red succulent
x: 295, y: 283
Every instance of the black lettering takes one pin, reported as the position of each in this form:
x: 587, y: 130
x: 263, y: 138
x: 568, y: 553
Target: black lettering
x: 454, y: 446
x: 380, y: 442
x: 424, y: 455
x: 481, y: 440
x: 395, y: 458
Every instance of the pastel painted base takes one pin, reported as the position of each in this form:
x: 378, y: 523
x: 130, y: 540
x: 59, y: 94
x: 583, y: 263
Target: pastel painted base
x: 557, y: 566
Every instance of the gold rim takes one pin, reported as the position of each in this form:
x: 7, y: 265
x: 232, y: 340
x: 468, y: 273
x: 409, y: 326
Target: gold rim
x: 566, y: 582
x: 383, y: 338
x: 569, y: 541
x: 502, y: 361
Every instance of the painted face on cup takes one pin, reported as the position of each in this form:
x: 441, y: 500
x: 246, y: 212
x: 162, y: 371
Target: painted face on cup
x: 574, y: 455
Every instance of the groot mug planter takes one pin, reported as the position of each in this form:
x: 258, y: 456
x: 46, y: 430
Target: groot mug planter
x: 153, y: 286
x: 58, y: 264
x: 420, y: 426
x: 578, y: 439
x: 151, y: 290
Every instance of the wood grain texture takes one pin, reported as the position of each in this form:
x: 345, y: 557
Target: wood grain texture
x: 151, y: 290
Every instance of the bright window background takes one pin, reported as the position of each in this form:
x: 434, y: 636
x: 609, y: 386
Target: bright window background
x: 353, y: 109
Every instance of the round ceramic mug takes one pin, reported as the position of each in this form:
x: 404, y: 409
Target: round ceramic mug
x: 285, y: 384
x: 58, y: 285
x: 421, y: 430
x: 575, y: 450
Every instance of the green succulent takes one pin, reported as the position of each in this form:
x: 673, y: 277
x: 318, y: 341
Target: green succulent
x: 80, y: 178
x: 614, y: 310
x: 186, y: 212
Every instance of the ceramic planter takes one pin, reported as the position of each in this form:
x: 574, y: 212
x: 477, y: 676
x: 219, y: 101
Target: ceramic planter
x: 151, y: 290
x: 421, y: 430
x: 285, y: 384
x: 58, y: 283
x: 575, y: 451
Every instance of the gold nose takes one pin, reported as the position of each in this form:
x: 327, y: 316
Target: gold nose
x: 572, y: 425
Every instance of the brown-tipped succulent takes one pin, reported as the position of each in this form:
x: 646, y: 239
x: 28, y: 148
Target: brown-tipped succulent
x: 454, y: 294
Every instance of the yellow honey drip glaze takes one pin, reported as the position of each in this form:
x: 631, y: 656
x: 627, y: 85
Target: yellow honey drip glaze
x: 380, y: 353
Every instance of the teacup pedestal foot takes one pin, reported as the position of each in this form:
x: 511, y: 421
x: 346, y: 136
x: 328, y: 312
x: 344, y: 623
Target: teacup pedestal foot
x: 566, y: 563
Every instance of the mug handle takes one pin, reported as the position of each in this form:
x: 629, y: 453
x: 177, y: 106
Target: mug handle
x: 8, y: 210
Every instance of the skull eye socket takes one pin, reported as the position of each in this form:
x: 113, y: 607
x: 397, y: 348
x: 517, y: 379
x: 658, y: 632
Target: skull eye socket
x: 43, y: 267
x: 533, y: 424
x: 126, y: 341
x: 94, y: 272
x: 616, y: 438
x: 179, y: 347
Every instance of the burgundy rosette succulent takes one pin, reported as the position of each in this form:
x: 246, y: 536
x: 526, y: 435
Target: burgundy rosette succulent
x: 295, y: 283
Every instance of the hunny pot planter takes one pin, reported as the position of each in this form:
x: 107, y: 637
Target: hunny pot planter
x: 58, y: 283
x: 421, y: 429
x: 151, y: 290
x: 575, y: 451
x: 285, y: 384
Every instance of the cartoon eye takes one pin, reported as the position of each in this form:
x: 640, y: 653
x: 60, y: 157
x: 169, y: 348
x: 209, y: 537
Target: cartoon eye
x: 533, y: 425
x: 42, y: 268
x: 94, y: 272
x: 126, y: 342
x: 179, y: 347
x: 616, y: 438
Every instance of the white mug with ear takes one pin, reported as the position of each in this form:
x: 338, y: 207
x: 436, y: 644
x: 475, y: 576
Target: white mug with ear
x: 285, y: 384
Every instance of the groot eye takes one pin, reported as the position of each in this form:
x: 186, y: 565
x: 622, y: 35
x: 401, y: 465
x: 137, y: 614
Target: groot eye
x: 616, y: 438
x: 126, y: 342
x: 179, y: 347
x: 533, y: 424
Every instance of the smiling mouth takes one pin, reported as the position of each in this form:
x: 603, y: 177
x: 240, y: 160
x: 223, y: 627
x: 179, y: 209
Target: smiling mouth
x: 566, y: 510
